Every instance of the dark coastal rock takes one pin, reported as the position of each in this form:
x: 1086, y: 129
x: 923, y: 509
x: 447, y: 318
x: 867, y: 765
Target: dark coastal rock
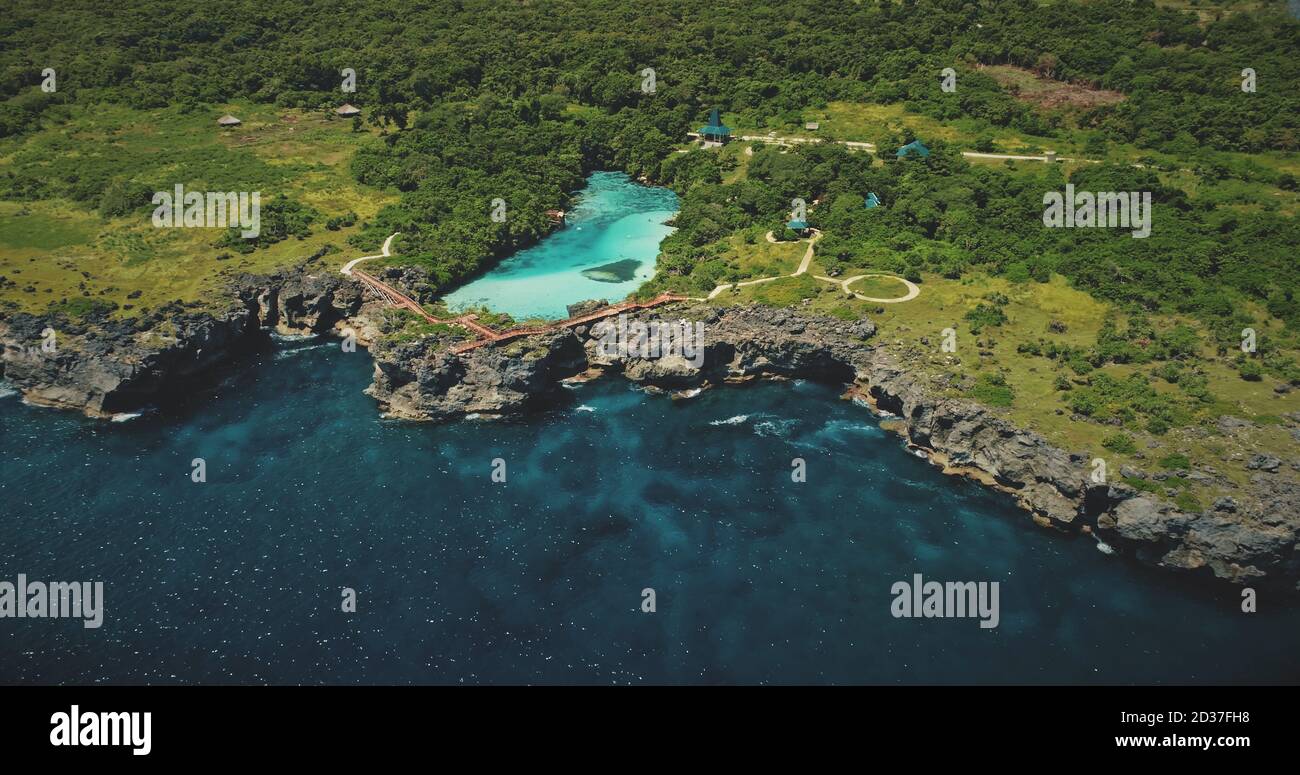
x: 741, y: 343
x: 1248, y: 538
x: 1242, y: 540
x: 1228, y: 424
x: 417, y: 283
x: 299, y: 303
x: 1225, y: 504
x: 103, y: 366
x: 102, y: 373
x: 1146, y: 518
x: 429, y: 384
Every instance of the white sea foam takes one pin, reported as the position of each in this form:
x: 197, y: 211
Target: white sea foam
x: 585, y: 408
x: 7, y: 390
x: 276, y: 336
x: 737, y: 420
x: 292, y: 351
x: 125, y: 416
x: 835, y: 427
x: 777, y: 427
x: 1102, y: 546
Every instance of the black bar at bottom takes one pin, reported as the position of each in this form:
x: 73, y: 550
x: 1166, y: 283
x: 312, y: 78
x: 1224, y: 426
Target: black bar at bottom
x: 211, y: 725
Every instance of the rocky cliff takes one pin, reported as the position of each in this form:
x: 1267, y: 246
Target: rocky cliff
x: 1255, y: 539
x: 1251, y: 540
x: 425, y: 381
x: 102, y: 366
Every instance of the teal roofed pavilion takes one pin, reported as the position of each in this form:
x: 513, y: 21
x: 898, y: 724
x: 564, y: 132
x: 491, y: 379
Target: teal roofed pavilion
x: 872, y: 200
x: 916, y: 147
x: 797, y: 225
x: 715, y: 131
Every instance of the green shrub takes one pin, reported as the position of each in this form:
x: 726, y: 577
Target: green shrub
x: 1121, y: 443
x: 1176, y: 461
x: 992, y: 390
x: 984, y: 315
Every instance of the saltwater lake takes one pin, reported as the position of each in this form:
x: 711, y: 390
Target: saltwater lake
x: 606, y: 250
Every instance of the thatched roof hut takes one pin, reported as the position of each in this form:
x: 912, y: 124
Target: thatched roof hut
x: 347, y: 111
x: 229, y: 120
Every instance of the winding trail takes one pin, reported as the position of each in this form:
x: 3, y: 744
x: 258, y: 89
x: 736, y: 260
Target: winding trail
x: 913, y: 290
x: 383, y: 253
x: 803, y: 267
x: 486, y: 336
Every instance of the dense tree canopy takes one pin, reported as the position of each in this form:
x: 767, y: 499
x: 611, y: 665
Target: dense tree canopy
x: 759, y: 60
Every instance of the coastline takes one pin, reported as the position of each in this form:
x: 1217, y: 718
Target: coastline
x: 111, y: 371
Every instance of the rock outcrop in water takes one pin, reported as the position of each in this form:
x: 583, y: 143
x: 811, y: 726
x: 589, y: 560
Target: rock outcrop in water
x: 425, y: 381
x: 428, y: 382
x: 103, y: 366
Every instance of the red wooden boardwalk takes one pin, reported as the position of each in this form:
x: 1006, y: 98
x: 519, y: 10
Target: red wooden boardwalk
x: 487, y: 336
x: 394, y: 296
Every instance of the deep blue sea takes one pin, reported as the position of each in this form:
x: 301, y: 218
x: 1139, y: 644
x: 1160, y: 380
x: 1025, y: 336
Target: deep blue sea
x: 538, y: 579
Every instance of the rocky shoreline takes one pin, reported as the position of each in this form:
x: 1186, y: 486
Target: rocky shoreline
x: 110, y: 368
x: 102, y: 367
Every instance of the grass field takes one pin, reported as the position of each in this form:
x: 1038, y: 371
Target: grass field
x: 58, y: 251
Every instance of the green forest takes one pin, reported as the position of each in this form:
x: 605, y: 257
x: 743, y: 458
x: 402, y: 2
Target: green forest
x: 467, y: 102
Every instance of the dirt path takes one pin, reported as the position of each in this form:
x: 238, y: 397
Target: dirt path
x: 384, y: 253
x: 789, y: 142
x: 913, y: 290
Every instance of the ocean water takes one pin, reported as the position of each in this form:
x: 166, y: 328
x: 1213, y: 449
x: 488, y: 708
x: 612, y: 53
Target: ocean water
x: 539, y: 579
x: 615, y: 220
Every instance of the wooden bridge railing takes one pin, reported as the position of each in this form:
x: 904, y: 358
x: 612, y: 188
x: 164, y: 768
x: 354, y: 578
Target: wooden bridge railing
x: 398, y: 299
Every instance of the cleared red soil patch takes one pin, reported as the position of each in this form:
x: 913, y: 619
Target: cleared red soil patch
x: 1046, y: 93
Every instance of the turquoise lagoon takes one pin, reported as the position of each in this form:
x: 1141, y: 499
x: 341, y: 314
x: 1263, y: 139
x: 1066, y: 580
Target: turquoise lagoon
x: 612, y: 234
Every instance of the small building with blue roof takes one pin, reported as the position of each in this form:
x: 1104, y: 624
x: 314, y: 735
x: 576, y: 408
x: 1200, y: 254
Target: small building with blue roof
x: 715, y: 131
x: 916, y: 147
